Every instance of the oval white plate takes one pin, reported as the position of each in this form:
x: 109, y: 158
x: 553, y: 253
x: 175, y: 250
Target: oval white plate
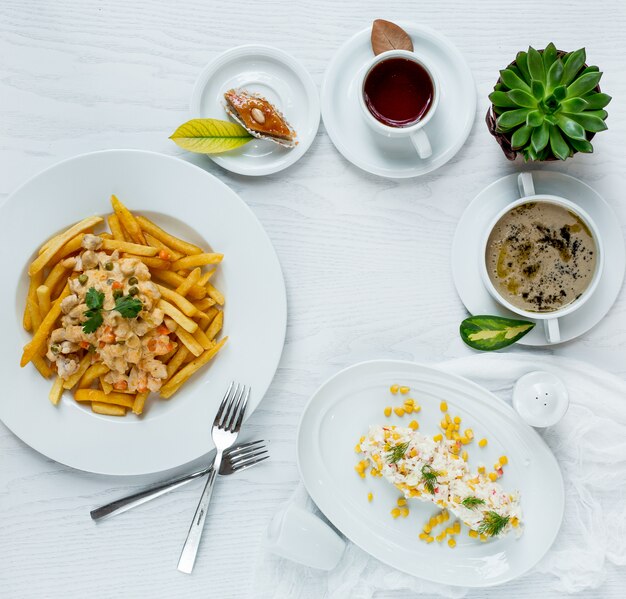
x: 188, y: 202
x: 342, y: 410
x: 466, y: 251
x: 396, y: 158
x: 281, y: 79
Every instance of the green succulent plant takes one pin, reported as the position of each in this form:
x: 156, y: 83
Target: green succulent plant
x: 547, y: 103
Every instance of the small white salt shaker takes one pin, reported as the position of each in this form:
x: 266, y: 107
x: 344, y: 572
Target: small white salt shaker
x: 540, y: 398
x: 302, y: 537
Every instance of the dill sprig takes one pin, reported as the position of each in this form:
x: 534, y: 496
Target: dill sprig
x: 493, y: 524
x: 429, y: 478
x: 472, y: 502
x: 397, y: 452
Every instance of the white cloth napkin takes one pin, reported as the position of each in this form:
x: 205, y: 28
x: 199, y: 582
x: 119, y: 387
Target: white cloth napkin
x: 590, y: 445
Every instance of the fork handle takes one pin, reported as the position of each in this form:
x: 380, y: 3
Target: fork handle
x: 136, y: 499
x: 190, y: 548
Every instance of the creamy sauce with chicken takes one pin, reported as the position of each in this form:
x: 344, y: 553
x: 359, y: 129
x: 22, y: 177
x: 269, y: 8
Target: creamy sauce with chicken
x: 130, y: 347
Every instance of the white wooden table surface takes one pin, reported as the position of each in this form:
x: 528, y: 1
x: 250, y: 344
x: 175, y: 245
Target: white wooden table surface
x: 366, y: 260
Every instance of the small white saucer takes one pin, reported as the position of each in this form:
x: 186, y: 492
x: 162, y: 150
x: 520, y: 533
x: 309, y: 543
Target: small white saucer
x: 466, y: 250
x: 278, y: 77
x: 396, y: 158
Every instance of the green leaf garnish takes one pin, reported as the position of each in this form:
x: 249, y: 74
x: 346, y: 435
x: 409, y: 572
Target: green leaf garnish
x: 488, y: 333
x: 94, y: 299
x: 492, y: 524
x: 397, y: 453
x: 210, y: 136
x: 429, y: 478
x: 472, y: 502
x: 128, y: 306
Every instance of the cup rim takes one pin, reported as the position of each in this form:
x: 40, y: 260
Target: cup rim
x: 585, y: 295
x: 399, y: 131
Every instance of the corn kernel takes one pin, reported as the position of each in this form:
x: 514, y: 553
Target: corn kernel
x: 473, y: 534
x: 456, y: 436
x: 417, y: 408
x: 413, y: 452
x: 457, y: 527
x: 414, y: 425
x: 443, y: 406
x: 357, y: 448
x: 401, y: 501
x: 399, y: 411
x: 388, y: 411
x: 409, y: 401
x: 395, y: 512
x: 429, y: 539
x: 449, y: 530
x: 493, y: 477
x: 443, y: 424
x: 370, y: 496
x: 362, y: 439
x: 456, y: 427
x: 483, y: 538
x: 448, y: 433
x: 503, y: 460
x: 394, y: 388
x: 482, y: 443
x: 404, y: 512
x: 438, y: 437
x: 481, y: 469
x: 454, y: 456
x: 448, y: 419
x: 451, y: 543
x: 457, y: 420
x: 439, y: 518
x: 427, y: 528
x: 464, y: 456
x: 408, y: 408
x: 514, y: 522
x: 441, y: 537
x: 465, y: 440
x: 446, y: 515
x: 423, y: 536
x: 469, y: 433
x: 374, y: 472
x: 395, y: 436
x: 362, y: 474
x: 404, y: 390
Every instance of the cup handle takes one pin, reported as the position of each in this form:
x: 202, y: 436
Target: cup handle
x: 525, y: 184
x: 421, y: 143
x: 552, y: 331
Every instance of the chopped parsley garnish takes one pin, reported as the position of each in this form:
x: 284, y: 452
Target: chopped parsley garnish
x: 126, y: 305
x: 472, y: 502
x: 493, y: 524
x: 429, y: 478
x: 397, y: 453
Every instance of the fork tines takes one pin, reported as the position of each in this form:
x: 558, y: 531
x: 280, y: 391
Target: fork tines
x: 233, y: 407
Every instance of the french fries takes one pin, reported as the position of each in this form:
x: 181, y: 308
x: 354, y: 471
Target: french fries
x: 177, y: 267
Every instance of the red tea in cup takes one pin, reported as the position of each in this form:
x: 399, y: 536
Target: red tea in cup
x: 398, y: 92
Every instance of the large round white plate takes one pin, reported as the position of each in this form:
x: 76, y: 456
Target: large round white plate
x: 281, y: 79
x: 396, y: 158
x: 342, y: 410
x: 188, y: 202
x: 466, y: 251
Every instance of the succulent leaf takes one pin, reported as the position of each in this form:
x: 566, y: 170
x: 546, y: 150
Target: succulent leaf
x: 571, y: 128
x: 522, y: 98
x: 590, y: 122
x: 512, y: 118
x: 499, y: 98
x: 596, y: 100
x: 534, y: 118
x: 520, y: 137
x: 538, y: 90
x: 512, y: 81
x: 558, y: 145
x: 574, y: 105
x: 591, y: 69
x: 581, y: 146
x: 583, y: 84
x: 540, y: 137
x: 560, y: 92
x: 573, y: 64
x: 535, y: 65
x: 549, y: 55
x: 521, y: 60
x: 555, y: 74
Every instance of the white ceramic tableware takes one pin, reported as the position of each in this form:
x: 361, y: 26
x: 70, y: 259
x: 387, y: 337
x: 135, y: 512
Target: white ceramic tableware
x: 468, y: 251
x: 540, y: 398
x: 302, y: 537
x: 281, y: 79
x: 414, y: 132
x: 190, y: 203
x: 395, y: 158
x: 342, y: 410
x: 550, y: 319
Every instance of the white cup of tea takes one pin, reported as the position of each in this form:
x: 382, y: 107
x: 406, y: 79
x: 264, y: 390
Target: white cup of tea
x: 550, y: 318
x: 399, y: 95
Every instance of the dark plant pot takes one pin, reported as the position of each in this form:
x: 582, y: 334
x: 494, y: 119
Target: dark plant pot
x: 504, y: 139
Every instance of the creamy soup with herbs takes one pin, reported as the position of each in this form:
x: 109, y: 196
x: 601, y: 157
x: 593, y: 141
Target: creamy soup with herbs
x: 540, y: 257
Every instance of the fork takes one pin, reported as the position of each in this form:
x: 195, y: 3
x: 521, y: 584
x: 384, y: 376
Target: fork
x: 225, y: 429
x: 237, y: 459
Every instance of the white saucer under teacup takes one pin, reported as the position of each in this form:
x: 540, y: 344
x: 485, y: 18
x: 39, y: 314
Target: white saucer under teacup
x: 275, y: 75
x: 468, y: 251
x: 396, y: 158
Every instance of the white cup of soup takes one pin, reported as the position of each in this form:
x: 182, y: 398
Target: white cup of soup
x: 542, y: 257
